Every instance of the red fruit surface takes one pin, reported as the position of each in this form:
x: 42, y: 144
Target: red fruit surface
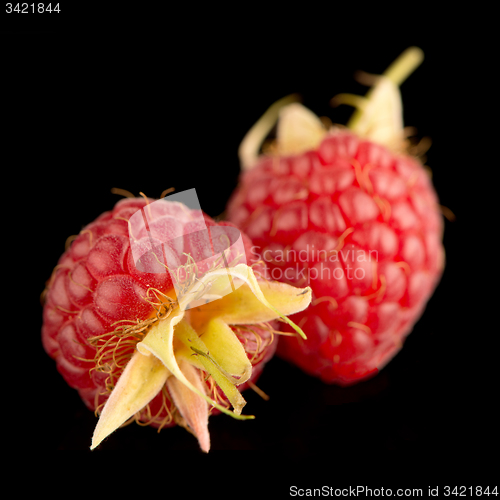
x: 362, y: 227
x: 97, y: 284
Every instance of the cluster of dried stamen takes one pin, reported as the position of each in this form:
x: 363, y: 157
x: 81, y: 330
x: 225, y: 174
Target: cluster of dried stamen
x: 186, y: 275
x: 255, y: 346
x: 114, y: 349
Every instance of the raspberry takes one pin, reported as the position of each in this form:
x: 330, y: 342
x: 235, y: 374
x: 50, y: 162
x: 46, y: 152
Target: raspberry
x: 350, y: 213
x: 111, y: 303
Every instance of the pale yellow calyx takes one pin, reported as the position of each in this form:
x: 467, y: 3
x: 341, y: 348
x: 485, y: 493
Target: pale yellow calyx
x: 379, y: 115
x: 140, y: 382
x: 248, y: 151
x: 245, y: 305
x: 226, y: 350
x: 298, y: 130
x: 190, y: 343
x: 192, y: 408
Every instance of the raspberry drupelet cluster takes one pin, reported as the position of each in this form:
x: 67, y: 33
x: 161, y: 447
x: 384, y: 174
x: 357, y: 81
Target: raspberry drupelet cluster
x: 350, y: 213
x: 102, y: 303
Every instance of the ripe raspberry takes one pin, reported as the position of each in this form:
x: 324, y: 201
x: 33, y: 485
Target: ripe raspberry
x: 354, y: 216
x: 106, y: 311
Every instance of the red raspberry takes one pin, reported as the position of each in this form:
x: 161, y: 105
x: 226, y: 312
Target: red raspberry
x: 99, y: 305
x: 357, y: 221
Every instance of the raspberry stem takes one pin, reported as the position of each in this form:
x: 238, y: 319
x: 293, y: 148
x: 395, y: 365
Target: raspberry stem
x: 249, y: 148
x: 404, y: 65
x: 383, y: 97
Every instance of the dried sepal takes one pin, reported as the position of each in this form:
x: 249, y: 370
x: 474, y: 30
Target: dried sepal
x: 139, y: 383
x: 258, y: 302
x: 173, y: 343
x: 192, y: 408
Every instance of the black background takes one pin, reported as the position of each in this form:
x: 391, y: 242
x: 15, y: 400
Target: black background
x: 89, y: 108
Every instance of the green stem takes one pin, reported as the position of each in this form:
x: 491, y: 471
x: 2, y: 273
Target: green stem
x: 404, y: 65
